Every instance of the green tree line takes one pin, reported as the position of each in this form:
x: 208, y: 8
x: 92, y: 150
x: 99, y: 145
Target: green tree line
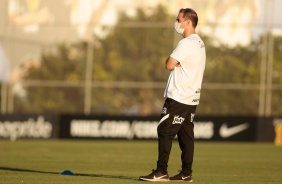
x: 138, y: 54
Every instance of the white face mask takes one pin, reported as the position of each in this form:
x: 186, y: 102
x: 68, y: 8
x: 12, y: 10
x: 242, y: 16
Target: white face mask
x: 177, y: 28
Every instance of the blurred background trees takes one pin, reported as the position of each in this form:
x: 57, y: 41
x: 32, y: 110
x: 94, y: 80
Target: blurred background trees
x: 107, y: 57
x: 128, y: 74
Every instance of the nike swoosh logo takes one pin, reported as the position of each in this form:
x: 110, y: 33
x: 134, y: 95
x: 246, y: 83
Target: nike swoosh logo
x: 226, y: 132
x: 164, y: 118
x: 159, y: 177
x: 183, y: 178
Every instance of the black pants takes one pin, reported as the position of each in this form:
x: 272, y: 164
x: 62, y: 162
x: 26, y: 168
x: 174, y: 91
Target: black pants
x: 176, y: 119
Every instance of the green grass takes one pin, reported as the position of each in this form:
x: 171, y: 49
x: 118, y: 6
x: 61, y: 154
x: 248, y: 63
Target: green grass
x: 121, y: 162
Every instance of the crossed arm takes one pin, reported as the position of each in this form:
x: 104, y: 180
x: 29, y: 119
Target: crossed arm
x: 171, y: 63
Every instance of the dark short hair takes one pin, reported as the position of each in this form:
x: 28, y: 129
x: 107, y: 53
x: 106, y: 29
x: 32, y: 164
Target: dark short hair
x: 190, y: 14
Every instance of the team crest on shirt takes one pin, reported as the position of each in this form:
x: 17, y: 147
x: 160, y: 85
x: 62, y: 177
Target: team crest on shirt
x: 164, y: 111
x: 178, y: 120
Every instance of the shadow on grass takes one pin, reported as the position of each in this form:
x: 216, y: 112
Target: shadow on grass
x: 76, y: 174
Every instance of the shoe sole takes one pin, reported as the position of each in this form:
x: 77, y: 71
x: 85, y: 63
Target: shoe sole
x: 145, y: 179
x: 183, y: 180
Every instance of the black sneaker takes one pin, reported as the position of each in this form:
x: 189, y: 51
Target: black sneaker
x: 181, y: 177
x: 155, y: 176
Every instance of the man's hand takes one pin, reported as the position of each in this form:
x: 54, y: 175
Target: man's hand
x: 171, y: 63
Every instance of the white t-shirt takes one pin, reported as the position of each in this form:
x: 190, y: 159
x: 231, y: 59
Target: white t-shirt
x: 184, y: 83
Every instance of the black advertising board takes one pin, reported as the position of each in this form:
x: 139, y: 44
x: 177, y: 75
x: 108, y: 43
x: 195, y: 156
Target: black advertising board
x: 266, y: 129
x: 125, y: 127
x: 24, y: 126
x: 217, y: 128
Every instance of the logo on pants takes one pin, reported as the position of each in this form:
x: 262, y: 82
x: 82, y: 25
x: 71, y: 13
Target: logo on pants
x: 164, y: 110
x: 178, y: 120
x: 192, y: 117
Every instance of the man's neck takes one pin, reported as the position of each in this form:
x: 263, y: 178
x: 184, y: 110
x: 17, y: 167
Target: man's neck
x: 188, y: 33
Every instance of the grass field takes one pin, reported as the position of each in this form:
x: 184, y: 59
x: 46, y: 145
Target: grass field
x: 121, y: 162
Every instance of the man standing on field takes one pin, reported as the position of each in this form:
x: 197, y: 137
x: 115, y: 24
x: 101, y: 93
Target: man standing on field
x: 186, y: 65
